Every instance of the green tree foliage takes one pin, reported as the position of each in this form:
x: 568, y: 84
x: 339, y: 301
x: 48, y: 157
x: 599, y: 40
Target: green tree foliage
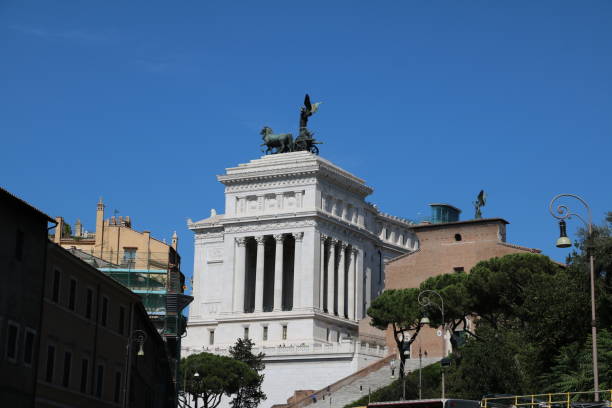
x: 457, y: 304
x: 250, y: 394
x: 601, y: 247
x: 492, y: 363
x: 217, y: 375
x: 573, y: 367
x: 400, y: 310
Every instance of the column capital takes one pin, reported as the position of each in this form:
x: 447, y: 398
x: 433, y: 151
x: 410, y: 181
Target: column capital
x: 343, y: 245
x: 260, y: 239
x: 279, y: 237
x: 298, y: 236
x: 324, y: 237
x: 354, y: 251
x: 240, y: 241
x: 334, y: 241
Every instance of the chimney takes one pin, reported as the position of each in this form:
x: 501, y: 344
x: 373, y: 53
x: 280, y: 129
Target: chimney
x: 78, y: 228
x: 59, y: 228
x: 99, y: 228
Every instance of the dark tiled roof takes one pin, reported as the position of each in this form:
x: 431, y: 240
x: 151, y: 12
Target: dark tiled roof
x: 13, y: 197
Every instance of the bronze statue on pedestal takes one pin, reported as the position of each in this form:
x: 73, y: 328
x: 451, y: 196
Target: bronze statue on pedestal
x: 284, y: 142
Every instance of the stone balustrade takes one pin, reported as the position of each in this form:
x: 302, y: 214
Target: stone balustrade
x: 345, y: 347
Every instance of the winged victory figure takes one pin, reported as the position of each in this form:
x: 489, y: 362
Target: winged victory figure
x: 480, y: 202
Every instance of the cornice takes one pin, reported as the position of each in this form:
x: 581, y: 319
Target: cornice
x: 293, y: 165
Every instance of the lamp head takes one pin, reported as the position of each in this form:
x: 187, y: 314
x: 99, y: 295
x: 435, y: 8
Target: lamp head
x: 140, y: 351
x: 563, y: 241
x: 425, y: 320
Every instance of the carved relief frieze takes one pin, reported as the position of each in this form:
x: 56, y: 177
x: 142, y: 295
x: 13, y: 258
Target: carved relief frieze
x: 270, y: 226
x: 280, y: 183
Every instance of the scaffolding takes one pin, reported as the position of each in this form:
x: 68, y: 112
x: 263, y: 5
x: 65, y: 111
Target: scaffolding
x: 154, y: 276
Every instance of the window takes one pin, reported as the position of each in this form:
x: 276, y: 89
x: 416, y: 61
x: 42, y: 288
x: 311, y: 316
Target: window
x: 56, y: 286
x: 284, y: 332
x: 50, y: 363
x: 458, y: 269
x: 265, y: 333
x: 11, y: 345
x: 72, y: 295
x: 67, y: 368
x: 28, y: 347
x: 121, y: 319
x: 88, y: 303
x: 211, y: 337
x: 129, y: 257
x: 104, y: 310
x: 117, y: 386
x: 246, y: 333
x: 327, y: 334
x: 84, y: 374
x: 19, y: 245
x: 458, y: 237
x: 99, y: 380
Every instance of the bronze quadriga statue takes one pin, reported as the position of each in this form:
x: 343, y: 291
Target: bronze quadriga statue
x: 283, y: 143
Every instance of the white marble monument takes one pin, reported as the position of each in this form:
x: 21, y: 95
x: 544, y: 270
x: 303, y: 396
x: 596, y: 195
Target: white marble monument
x: 292, y: 264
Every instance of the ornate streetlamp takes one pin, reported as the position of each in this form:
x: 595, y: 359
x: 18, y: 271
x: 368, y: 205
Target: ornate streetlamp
x: 425, y: 301
x: 139, y: 337
x: 562, y: 213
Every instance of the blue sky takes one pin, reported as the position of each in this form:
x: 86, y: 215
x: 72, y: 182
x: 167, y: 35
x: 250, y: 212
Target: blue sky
x: 144, y: 102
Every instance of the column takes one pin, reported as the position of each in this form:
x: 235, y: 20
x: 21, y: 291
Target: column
x: 322, y: 273
x: 259, y: 274
x: 341, y: 270
x: 239, y: 276
x: 351, y: 283
x: 278, y: 273
x: 330, y: 276
x: 297, y: 269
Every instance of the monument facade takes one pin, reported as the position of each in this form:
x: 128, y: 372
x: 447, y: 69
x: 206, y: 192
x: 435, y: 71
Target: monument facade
x: 293, y: 263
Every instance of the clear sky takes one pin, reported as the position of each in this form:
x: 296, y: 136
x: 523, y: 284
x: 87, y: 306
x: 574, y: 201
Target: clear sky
x: 144, y: 102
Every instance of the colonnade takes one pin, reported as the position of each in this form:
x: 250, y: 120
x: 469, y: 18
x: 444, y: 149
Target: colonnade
x: 242, y: 283
x: 338, y: 278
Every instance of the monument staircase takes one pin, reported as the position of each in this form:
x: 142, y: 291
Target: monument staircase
x: 356, y: 385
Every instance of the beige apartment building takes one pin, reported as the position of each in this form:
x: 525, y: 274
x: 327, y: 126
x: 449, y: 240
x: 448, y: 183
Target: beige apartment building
x: 446, y: 245
x: 116, y: 242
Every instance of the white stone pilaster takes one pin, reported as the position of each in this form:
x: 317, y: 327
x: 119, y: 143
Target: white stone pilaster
x: 259, y: 274
x: 341, y: 270
x: 278, y: 273
x: 351, y: 284
x: 297, y: 269
x: 330, y: 276
x: 239, y: 277
x: 322, y: 293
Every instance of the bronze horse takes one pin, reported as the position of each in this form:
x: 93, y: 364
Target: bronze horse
x: 282, y: 142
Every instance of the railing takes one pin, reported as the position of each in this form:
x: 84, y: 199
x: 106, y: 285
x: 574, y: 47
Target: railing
x: 582, y: 399
x: 301, y: 349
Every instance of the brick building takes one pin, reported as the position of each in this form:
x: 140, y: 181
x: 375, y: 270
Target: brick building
x: 446, y: 245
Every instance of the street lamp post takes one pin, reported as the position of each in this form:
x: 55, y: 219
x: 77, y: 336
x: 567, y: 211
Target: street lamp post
x: 562, y: 213
x: 425, y: 301
x: 137, y: 336
x: 196, y: 378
